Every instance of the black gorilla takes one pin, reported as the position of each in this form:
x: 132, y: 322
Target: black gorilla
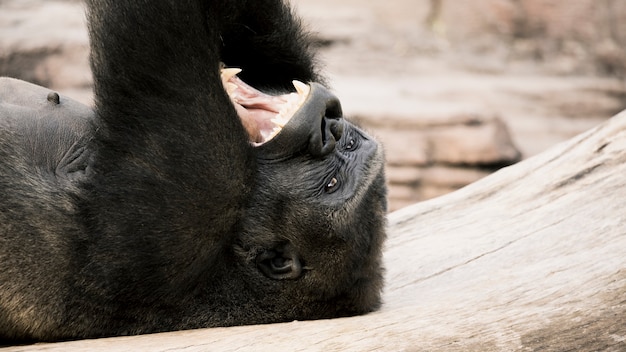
x: 186, y: 198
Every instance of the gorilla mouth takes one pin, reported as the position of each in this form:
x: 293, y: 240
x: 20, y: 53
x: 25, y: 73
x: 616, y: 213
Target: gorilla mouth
x: 262, y: 115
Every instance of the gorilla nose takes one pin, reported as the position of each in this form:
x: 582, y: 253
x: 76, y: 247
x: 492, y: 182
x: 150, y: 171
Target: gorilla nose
x: 323, y: 138
x: 315, y: 128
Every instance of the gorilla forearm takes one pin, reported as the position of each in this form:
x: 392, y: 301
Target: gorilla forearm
x: 162, y: 119
x: 153, y: 63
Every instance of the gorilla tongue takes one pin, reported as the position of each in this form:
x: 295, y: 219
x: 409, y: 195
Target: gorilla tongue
x: 262, y: 115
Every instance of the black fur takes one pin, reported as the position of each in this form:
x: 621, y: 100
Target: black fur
x: 155, y: 213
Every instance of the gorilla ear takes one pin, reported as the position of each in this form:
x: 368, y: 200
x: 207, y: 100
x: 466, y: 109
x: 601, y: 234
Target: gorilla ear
x: 282, y: 263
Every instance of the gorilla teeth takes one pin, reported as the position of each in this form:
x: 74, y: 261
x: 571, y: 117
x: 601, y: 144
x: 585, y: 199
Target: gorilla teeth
x: 226, y: 74
x: 263, y: 115
x: 301, y: 88
x: 294, y: 102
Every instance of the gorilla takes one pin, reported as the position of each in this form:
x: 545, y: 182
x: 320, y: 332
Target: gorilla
x: 213, y: 183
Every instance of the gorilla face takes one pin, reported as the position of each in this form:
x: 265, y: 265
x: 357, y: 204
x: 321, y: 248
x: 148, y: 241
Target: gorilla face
x: 322, y: 177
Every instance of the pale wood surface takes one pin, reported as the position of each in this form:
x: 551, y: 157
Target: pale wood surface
x: 530, y: 258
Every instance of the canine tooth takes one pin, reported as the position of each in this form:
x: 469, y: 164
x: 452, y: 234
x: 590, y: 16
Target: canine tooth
x: 228, y: 73
x: 301, y: 88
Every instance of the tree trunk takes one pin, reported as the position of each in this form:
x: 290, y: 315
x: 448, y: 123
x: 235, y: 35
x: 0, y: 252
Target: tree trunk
x: 530, y: 258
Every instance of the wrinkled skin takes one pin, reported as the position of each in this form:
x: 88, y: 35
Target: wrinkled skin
x: 154, y: 211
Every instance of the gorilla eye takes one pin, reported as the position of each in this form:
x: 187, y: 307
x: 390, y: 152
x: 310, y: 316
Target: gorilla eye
x: 351, y: 144
x: 331, y: 186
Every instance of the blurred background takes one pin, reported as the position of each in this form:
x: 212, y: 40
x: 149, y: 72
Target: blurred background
x: 454, y: 89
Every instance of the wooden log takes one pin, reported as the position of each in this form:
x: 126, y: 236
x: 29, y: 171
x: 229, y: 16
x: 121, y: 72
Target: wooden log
x: 530, y: 258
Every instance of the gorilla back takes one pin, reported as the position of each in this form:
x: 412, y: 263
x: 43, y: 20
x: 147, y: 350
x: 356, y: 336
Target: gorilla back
x: 193, y: 194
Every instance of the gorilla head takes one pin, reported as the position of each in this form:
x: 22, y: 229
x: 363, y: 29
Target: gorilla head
x: 188, y: 197
x: 316, y: 215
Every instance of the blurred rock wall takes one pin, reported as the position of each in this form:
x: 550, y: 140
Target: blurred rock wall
x: 45, y: 42
x: 381, y: 55
x: 567, y: 36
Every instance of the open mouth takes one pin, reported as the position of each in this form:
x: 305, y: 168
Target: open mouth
x: 263, y: 115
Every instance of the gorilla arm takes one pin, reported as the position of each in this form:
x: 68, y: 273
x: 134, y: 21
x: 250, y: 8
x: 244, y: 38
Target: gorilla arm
x: 172, y: 163
x: 160, y: 105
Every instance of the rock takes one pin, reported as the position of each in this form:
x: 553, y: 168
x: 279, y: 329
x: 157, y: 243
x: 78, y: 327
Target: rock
x: 404, y: 147
x: 453, y: 177
x: 430, y: 157
x: 475, y: 142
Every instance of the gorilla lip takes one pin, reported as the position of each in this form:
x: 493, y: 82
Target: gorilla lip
x: 262, y: 115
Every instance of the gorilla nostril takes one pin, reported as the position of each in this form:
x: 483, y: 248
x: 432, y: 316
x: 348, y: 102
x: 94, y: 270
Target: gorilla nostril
x: 324, y: 142
x: 336, y: 129
x: 328, y: 130
x: 333, y: 108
